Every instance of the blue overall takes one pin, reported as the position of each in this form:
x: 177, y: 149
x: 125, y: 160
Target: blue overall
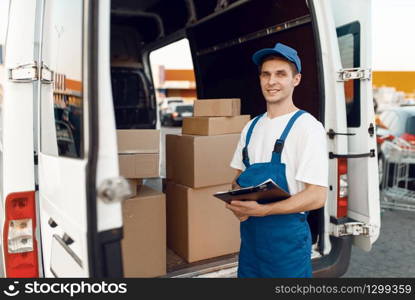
x: 275, y: 246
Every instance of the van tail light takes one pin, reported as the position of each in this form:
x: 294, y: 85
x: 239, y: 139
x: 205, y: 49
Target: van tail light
x: 342, y: 188
x: 19, y: 239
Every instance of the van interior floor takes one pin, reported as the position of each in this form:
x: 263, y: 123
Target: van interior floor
x: 178, y: 267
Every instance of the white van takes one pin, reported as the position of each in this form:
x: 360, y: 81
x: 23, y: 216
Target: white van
x: 60, y: 190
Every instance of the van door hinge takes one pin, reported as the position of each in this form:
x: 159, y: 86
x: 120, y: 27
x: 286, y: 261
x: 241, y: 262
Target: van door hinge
x: 46, y: 76
x: 354, y: 73
x: 24, y: 73
x: 352, y: 228
x: 30, y: 72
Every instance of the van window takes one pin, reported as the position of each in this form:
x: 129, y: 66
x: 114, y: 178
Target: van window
x: 349, y: 45
x: 184, y: 108
x: 410, y: 125
x: 173, y: 75
x: 62, y: 106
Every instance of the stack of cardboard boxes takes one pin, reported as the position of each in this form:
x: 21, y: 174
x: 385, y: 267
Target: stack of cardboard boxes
x: 197, y: 162
x: 144, y: 215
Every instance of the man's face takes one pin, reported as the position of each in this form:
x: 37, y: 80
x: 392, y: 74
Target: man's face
x: 277, y: 80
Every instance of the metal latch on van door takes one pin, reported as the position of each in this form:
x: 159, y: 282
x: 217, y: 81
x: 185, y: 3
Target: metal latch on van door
x: 354, y: 73
x: 351, y: 228
x: 30, y: 72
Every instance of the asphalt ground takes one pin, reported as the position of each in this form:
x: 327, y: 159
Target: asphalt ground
x: 393, y: 254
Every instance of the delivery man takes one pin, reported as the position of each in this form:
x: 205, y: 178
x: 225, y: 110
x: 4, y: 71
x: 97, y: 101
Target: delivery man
x: 287, y: 145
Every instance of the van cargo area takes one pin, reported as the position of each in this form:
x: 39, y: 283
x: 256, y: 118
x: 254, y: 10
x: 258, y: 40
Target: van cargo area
x: 222, y: 40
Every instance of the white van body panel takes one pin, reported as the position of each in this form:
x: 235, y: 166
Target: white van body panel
x: 16, y: 161
x: 66, y: 208
x: 335, y: 108
x: 17, y: 106
x: 109, y: 214
x: 62, y: 180
x: 362, y: 172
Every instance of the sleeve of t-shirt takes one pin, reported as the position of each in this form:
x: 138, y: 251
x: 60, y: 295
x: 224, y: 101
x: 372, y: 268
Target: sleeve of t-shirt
x: 236, y: 161
x: 313, y: 158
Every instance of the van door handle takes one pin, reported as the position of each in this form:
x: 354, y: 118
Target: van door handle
x: 370, y: 154
x: 332, y: 133
x: 114, y: 190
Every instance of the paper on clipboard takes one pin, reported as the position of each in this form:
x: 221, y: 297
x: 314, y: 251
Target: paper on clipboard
x: 266, y: 192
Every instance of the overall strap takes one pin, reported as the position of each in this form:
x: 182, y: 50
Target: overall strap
x: 279, y: 143
x: 245, y: 157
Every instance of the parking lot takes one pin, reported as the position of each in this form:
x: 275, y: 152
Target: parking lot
x: 393, y: 253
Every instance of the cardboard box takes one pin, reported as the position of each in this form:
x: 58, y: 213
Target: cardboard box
x: 214, y: 125
x: 217, y: 107
x: 199, y: 226
x: 200, y: 161
x: 138, y: 153
x: 138, y: 141
x: 144, y: 243
x: 140, y: 165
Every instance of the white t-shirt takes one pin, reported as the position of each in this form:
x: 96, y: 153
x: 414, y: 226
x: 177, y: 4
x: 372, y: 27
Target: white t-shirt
x: 305, y: 149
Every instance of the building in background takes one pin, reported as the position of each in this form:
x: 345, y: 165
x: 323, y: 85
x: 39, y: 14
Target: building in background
x: 403, y: 83
x: 178, y: 83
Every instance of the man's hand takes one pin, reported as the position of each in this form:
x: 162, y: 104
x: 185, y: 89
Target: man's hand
x: 235, y: 186
x: 240, y: 217
x: 248, y: 208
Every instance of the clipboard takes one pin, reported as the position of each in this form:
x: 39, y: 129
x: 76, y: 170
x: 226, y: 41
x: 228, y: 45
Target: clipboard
x: 265, y: 192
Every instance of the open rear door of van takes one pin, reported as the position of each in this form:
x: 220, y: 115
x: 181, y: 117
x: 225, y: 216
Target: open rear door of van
x: 19, y: 243
x: 353, y: 25
x: 79, y: 191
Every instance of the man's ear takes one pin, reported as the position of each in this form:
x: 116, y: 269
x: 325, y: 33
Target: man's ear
x: 297, y: 79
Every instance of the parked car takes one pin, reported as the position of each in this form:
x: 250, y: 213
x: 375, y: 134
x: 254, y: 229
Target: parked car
x: 167, y: 104
x: 170, y: 100
x: 175, y: 114
x: 397, y: 122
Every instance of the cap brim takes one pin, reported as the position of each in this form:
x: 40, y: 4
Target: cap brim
x: 259, y: 55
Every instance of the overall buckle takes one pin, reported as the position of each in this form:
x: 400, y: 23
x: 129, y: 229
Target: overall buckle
x: 279, y: 145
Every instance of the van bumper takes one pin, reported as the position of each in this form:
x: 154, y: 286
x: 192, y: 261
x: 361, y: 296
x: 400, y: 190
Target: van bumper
x: 334, y: 264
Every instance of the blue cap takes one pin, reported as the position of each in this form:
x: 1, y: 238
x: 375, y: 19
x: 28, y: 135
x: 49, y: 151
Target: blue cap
x: 280, y: 49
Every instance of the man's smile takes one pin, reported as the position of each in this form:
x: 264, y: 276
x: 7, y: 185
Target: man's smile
x: 272, y: 91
